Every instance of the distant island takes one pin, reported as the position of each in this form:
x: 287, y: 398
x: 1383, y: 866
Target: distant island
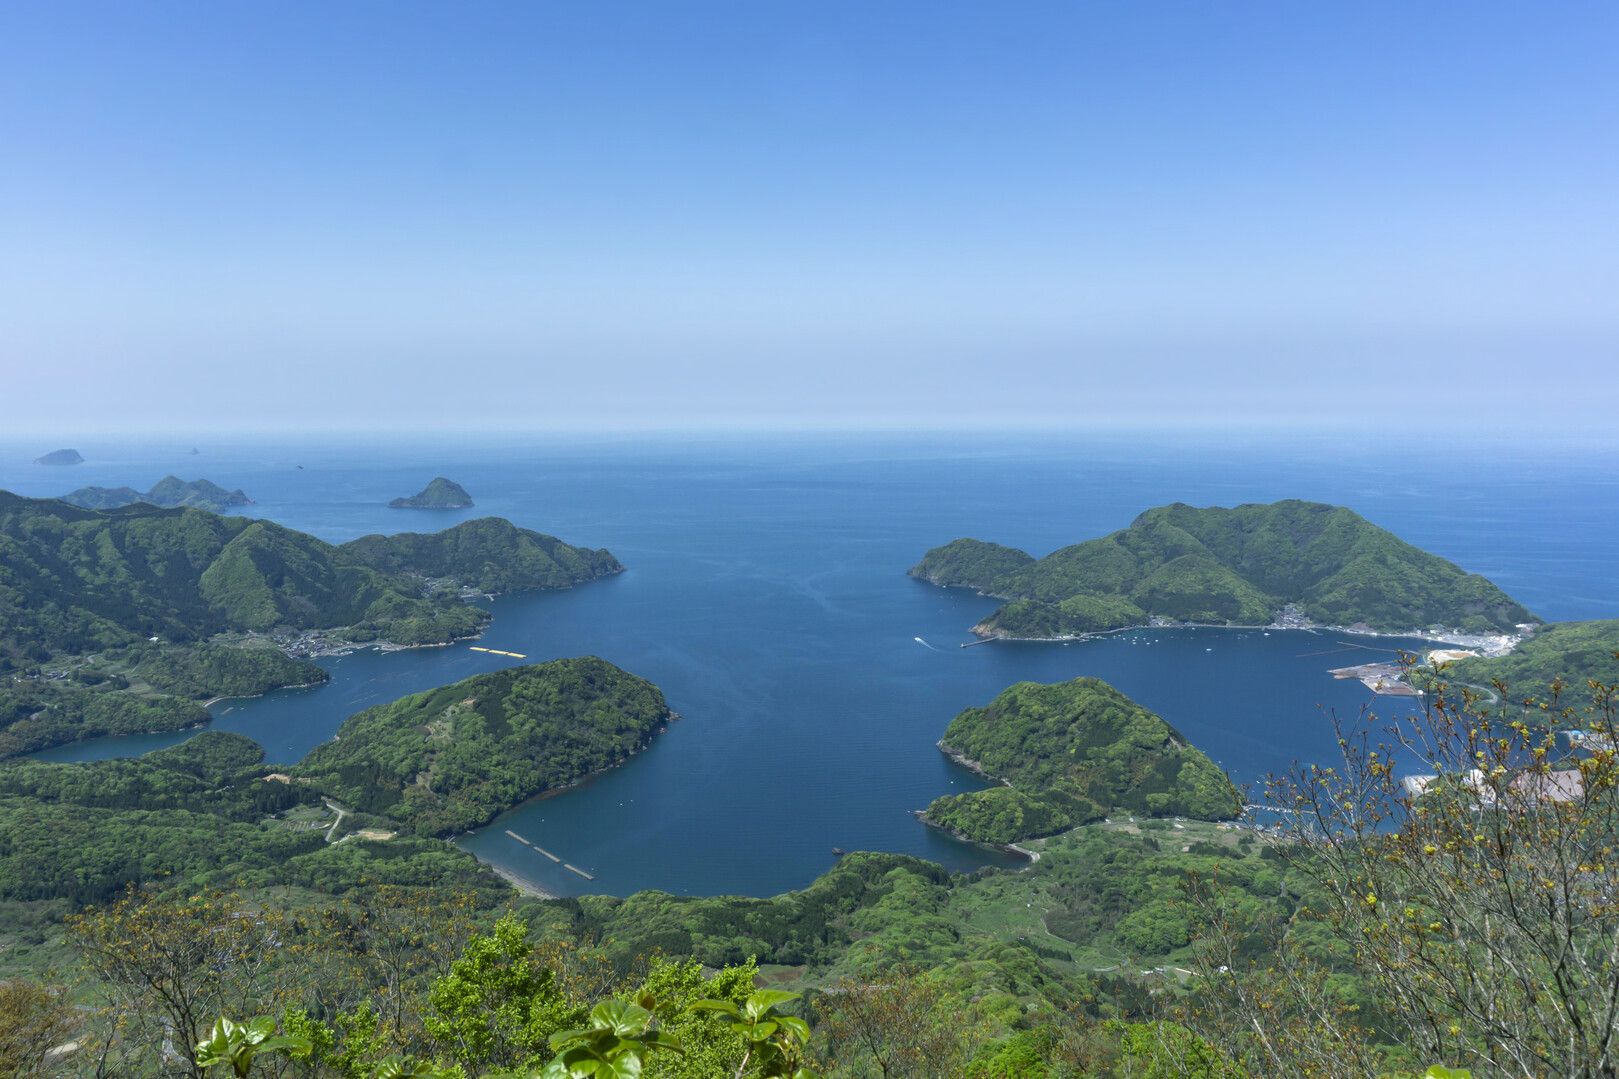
x: 441, y: 494
x: 60, y: 457
x: 168, y: 492
x: 1289, y: 562
x: 1068, y: 754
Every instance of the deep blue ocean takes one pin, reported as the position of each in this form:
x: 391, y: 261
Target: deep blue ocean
x: 766, y: 595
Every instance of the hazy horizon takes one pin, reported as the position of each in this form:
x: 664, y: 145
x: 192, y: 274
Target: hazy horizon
x: 721, y: 216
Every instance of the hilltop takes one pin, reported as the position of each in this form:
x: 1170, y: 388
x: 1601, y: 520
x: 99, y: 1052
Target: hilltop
x: 1240, y: 566
x: 169, y: 492
x: 1069, y: 754
x: 440, y: 494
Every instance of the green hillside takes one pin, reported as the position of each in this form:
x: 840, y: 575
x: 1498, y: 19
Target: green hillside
x: 451, y: 758
x: 489, y: 554
x: 36, y: 715
x: 74, y: 580
x: 1236, y: 566
x: 201, y: 813
x: 1574, y: 653
x: 1072, y: 752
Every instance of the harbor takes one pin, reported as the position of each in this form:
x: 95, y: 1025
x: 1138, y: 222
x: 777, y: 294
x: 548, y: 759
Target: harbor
x: 1384, y: 679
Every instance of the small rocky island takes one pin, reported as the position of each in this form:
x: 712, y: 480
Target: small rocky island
x: 60, y: 457
x: 441, y: 494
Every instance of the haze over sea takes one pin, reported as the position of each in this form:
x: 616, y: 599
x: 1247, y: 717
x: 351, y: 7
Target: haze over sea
x: 766, y: 595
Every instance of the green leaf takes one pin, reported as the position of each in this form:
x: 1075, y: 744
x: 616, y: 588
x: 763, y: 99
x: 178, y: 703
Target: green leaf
x: 769, y: 998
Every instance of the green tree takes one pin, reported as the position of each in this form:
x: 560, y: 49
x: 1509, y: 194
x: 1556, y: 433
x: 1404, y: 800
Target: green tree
x: 33, y: 1021
x: 1482, y: 908
x: 498, y: 1005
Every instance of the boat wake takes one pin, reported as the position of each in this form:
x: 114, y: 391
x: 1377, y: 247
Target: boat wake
x: 925, y: 644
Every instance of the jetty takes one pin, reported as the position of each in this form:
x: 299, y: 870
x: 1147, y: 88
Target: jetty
x: 498, y: 652
x: 1381, y: 678
x: 517, y: 837
x: 577, y: 870
x: 545, y: 852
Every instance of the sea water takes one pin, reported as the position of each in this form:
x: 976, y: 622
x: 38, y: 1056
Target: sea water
x: 766, y: 595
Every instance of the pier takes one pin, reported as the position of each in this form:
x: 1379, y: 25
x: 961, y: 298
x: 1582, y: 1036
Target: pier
x: 517, y: 837
x: 1381, y: 678
x: 497, y: 652
x: 545, y: 852
x: 577, y: 870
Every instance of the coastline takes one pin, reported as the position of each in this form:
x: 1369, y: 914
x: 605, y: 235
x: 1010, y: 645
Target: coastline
x: 1005, y: 848
x: 521, y: 883
x: 968, y: 763
x: 1460, y: 639
x: 1464, y: 640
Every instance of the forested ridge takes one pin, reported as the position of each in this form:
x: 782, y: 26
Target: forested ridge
x: 168, y: 492
x: 1237, y: 566
x: 74, y: 580
x: 94, y: 603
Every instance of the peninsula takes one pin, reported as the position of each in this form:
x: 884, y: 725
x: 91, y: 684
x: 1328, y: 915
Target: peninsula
x: 1068, y: 754
x: 401, y: 776
x: 1571, y: 655
x: 169, y: 492
x: 440, y: 494
x: 101, y: 609
x: 1250, y: 565
x: 60, y: 457
x: 452, y: 758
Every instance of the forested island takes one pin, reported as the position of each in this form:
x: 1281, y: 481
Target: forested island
x: 1323, y: 564
x: 440, y: 494
x: 169, y: 492
x: 1069, y: 754
x: 103, y: 610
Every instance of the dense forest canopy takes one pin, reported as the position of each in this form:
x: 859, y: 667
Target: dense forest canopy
x: 451, y: 758
x: 1238, y: 566
x: 1071, y: 753
x: 75, y: 580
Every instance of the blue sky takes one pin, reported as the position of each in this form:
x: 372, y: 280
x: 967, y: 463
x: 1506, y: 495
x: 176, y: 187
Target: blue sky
x: 359, y: 215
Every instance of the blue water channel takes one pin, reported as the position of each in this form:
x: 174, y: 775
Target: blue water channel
x: 766, y: 594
